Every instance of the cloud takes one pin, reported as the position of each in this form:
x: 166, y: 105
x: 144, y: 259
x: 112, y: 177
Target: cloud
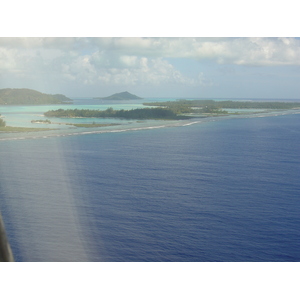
x: 245, y: 51
x: 101, y: 67
x: 132, y: 70
x: 136, y: 61
x: 240, y: 51
x: 7, y: 60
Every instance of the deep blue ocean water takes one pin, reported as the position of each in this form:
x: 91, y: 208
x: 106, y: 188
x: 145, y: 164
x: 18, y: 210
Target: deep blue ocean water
x: 227, y: 190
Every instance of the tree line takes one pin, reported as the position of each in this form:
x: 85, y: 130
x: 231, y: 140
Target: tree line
x: 139, y: 113
x: 189, y: 106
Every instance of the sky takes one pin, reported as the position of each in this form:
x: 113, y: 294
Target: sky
x: 153, y: 67
x: 152, y: 51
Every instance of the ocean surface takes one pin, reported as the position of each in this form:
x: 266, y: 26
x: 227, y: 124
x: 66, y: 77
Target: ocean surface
x: 213, y: 190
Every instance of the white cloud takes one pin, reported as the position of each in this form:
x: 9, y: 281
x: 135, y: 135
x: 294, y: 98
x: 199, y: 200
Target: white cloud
x: 129, y: 61
x: 246, y: 51
x: 142, y: 71
x: 135, y: 61
x: 7, y: 60
x: 260, y: 51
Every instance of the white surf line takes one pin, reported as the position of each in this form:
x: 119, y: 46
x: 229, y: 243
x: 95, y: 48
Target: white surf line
x: 96, y: 132
x: 192, y: 123
x: 143, y: 128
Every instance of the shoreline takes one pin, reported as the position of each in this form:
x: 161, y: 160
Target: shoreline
x: 137, y: 126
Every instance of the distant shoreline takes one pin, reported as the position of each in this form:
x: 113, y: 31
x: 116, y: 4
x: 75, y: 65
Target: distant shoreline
x: 179, y: 110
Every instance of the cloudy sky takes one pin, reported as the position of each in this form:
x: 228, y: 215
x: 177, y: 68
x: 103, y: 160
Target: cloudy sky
x: 153, y: 67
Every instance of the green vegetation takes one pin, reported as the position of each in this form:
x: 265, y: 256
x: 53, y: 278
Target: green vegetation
x: 21, y: 129
x: 121, y: 96
x: 2, y: 122
x: 30, y: 97
x: 172, y: 110
x: 216, y: 107
x: 190, y: 106
x: 140, y: 113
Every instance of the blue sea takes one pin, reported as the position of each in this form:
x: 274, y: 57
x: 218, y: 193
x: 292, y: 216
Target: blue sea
x: 216, y: 190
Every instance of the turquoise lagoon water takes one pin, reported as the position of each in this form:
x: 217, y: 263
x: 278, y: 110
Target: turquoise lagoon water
x: 21, y: 116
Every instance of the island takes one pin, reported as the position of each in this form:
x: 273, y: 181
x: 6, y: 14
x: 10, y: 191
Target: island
x: 120, y: 96
x: 171, y: 110
x: 204, y: 107
x: 156, y: 113
x: 30, y: 97
x: 177, y: 110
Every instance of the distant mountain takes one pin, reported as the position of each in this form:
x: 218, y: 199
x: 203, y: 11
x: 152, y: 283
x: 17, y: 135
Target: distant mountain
x: 29, y: 97
x: 121, y: 96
